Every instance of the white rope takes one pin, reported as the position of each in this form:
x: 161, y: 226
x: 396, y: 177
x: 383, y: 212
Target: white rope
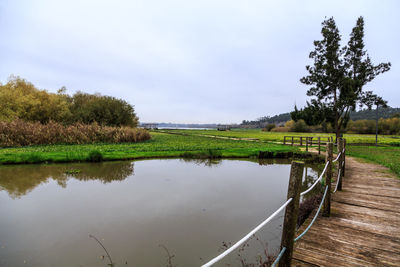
x: 337, y: 182
x: 244, y: 239
x: 316, y: 182
x: 338, y: 156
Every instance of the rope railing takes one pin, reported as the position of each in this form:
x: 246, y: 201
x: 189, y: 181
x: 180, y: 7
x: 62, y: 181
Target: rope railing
x: 315, y: 216
x: 337, y: 181
x: 324, y: 201
x: 279, y: 257
x: 316, y: 182
x: 338, y: 157
x: 245, y: 238
x: 287, y: 242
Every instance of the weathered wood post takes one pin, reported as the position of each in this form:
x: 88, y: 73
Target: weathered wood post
x: 284, y: 140
x: 292, y: 140
x: 344, y: 157
x: 301, y: 140
x: 291, y: 212
x: 328, y: 179
x: 307, y: 144
x: 319, y: 145
x: 339, y: 150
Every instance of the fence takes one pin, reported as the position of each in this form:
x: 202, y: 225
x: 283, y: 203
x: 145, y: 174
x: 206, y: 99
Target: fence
x: 291, y: 206
x: 308, y: 141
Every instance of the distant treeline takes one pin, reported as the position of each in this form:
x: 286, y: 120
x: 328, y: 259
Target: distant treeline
x: 263, y: 121
x: 20, y: 99
x: 385, y: 126
x: 383, y: 113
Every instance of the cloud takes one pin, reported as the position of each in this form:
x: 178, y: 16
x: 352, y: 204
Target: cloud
x: 186, y: 61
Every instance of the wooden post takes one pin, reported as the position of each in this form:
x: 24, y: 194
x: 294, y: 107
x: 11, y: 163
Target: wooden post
x: 292, y: 140
x: 339, y: 149
x: 328, y: 179
x: 301, y: 140
x: 291, y: 213
x: 284, y: 140
x: 307, y: 144
x: 319, y: 145
x: 344, y: 157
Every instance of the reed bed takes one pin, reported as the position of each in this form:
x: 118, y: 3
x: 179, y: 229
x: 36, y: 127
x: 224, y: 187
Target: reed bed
x: 22, y: 133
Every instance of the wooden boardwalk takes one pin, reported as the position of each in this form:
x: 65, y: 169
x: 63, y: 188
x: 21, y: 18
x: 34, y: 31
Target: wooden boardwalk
x: 364, y: 227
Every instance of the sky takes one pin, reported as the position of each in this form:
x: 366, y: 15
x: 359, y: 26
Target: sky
x: 183, y: 61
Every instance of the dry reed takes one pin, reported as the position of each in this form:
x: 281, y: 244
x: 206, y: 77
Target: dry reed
x: 22, y: 133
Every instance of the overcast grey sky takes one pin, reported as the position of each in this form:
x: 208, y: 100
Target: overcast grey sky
x: 188, y: 61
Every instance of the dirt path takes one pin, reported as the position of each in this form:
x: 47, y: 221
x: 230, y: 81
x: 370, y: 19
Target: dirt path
x: 364, y: 227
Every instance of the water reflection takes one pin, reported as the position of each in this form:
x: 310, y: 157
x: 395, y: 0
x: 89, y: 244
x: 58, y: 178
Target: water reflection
x: 188, y: 206
x: 20, y: 180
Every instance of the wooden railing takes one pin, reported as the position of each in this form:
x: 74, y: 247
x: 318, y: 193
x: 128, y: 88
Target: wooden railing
x: 292, y: 204
x: 295, y: 140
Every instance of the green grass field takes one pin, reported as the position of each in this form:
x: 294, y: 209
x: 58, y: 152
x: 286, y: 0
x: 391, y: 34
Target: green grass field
x: 386, y: 156
x: 161, y: 145
x: 278, y: 137
x: 194, y: 146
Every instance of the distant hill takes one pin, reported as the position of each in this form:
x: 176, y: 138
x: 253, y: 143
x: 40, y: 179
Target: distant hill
x: 356, y: 115
x: 371, y: 114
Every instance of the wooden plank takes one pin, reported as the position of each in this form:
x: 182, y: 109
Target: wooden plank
x: 299, y: 263
x: 355, y: 236
x: 330, y: 246
x: 364, y: 227
x: 363, y: 213
x: 320, y: 257
x: 370, y: 202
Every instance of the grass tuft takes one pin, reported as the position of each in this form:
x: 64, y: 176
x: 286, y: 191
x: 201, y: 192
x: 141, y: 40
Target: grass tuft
x: 95, y: 156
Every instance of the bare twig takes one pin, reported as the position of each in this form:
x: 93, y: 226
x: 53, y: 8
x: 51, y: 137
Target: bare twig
x: 108, y: 255
x: 168, y: 254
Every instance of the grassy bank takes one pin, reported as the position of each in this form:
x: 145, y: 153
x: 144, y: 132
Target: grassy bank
x: 161, y: 145
x: 386, y: 156
x: 278, y: 137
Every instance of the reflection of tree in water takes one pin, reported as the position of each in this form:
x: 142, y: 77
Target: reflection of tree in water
x: 20, y: 180
x: 204, y: 162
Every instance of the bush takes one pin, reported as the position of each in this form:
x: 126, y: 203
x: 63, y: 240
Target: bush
x: 385, y: 126
x: 95, y: 156
x: 300, y: 126
x: 20, y: 99
x: 22, y: 133
x: 269, y: 127
x: 281, y: 129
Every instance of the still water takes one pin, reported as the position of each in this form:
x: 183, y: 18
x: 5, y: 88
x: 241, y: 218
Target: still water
x: 139, y: 210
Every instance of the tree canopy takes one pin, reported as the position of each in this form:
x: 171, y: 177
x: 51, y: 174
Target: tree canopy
x: 20, y: 99
x: 338, y: 76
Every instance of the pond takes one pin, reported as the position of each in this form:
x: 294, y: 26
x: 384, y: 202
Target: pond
x: 140, y: 211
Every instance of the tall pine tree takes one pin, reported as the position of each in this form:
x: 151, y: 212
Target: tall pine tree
x: 339, y: 74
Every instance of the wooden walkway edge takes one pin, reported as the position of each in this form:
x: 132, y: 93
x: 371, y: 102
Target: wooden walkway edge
x: 364, y: 226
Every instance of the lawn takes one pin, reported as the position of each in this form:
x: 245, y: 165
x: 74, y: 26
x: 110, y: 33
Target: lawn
x: 161, y: 145
x: 386, y: 156
x: 278, y: 137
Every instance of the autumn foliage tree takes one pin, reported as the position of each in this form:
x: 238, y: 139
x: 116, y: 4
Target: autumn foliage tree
x: 20, y: 99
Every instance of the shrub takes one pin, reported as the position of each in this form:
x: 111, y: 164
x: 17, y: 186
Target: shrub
x: 300, y: 126
x: 95, y: 156
x: 269, y: 127
x: 281, y: 129
x: 22, y: 133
